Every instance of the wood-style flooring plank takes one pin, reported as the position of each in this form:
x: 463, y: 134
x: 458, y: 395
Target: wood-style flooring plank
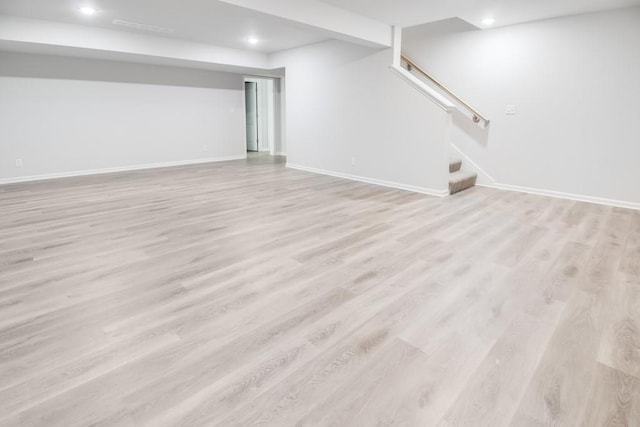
x: 614, y: 399
x: 244, y: 293
x: 558, y: 389
x: 620, y: 345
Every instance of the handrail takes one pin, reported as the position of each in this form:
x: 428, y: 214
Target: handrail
x: 411, y: 65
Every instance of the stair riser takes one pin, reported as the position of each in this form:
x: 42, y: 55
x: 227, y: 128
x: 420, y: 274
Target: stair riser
x: 455, y: 166
x: 456, y: 187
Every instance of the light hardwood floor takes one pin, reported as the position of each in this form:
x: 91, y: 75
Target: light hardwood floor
x: 245, y: 293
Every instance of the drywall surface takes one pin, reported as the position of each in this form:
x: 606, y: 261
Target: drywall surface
x: 81, y: 40
x: 575, y: 87
x: 62, y: 115
x: 349, y: 115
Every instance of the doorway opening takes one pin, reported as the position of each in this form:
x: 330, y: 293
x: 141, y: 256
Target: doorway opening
x: 263, y: 115
x: 251, y: 111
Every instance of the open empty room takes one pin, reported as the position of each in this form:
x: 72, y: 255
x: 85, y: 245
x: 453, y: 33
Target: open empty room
x: 319, y: 213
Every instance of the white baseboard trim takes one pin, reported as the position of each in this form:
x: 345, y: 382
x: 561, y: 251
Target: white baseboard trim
x: 280, y: 153
x: 561, y: 195
x: 537, y: 191
x: 396, y: 185
x: 43, y: 177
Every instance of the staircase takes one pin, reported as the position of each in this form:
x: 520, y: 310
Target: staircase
x: 412, y: 73
x: 460, y: 180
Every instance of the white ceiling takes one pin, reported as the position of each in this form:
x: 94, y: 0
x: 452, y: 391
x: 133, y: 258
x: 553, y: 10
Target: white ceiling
x: 505, y: 12
x: 216, y: 23
x: 204, y: 21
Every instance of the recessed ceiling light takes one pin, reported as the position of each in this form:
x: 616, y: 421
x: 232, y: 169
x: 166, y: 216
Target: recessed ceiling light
x: 488, y: 22
x: 253, y: 40
x: 87, y: 10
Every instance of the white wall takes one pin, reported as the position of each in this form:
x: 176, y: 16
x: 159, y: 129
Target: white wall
x: 269, y: 112
x: 279, y: 117
x: 63, y: 115
x: 575, y: 82
x: 343, y: 103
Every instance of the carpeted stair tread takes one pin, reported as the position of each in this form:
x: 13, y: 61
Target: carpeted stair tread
x: 461, y: 180
x: 454, y: 165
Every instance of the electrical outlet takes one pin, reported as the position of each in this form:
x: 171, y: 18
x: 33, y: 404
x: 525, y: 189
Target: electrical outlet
x: 18, y: 163
x: 510, y: 110
x: 353, y: 161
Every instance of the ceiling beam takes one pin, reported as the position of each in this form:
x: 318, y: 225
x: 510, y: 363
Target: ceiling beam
x: 38, y: 36
x: 331, y: 20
